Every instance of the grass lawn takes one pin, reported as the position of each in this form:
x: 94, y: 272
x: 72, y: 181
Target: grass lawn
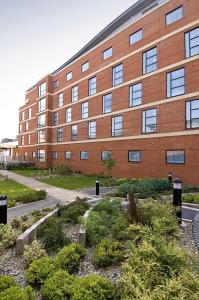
x: 71, y: 183
x: 29, y: 173
x: 12, y: 188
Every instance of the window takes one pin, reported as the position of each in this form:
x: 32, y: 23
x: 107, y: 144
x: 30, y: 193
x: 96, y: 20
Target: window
x: 108, y: 53
x: 55, y: 118
x: 118, y: 75
x: 22, y: 140
x: 41, y: 155
x: 84, y: 110
x: 174, y: 15
x: 117, y: 126
x: 29, y: 113
x: 74, y: 93
x: 68, y: 154
x: 59, y: 135
x: 135, y: 94
x: 28, y: 139
x: 175, y: 157
x: 54, y: 155
x: 106, y: 155
x: 107, y: 103
x: 92, y: 130
x: 25, y: 155
x: 69, y: 76
x: 192, y: 42
x: 92, y: 86
x: 134, y: 156
x: 149, y: 120
x: 68, y: 115
x: 23, y: 116
x: 20, y: 128
x: 135, y: 37
x: 41, y: 136
x: 42, y: 89
x: 150, y: 61
x: 55, y: 83
x: 33, y: 154
x: 192, y: 114
x: 83, y: 155
x: 42, y: 104
x: 85, y: 66
x: 175, y: 83
x: 26, y: 126
x: 74, y: 133
x: 41, y: 120
x: 60, y: 99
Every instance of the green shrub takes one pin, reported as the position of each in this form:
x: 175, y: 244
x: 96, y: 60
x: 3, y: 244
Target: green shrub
x: 191, y: 198
x: 72, y: 212
x: 37, y: 214
x: 17, y: 293
x: 58, y: 287
x: 16, y: 223
x: 51, y: 235
x: 108, y: 253
x: 33, y: 252
x: 93, y: 287
x: 69, y: 257
x: 40, y: 270
x: 31, y: 196
x: 110, y: 207
x: 137, y: 233
x: 11, y: 203
x: 62, y: 170
x: 8, y: 235
x: 190, y: 188
x: 6, y: 282
x: 165, y: 226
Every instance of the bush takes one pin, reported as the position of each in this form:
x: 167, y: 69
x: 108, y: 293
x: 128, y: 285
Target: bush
x: 190, y: 188
x: 62, y: 170
x: 137, y: 233
x: 33, y: 252
x: 191, y: 198
x: 31, y: 196
x: 108, y: 253
x: 16, y: 223
x: 69, y: 257
x: 58, y: 287
x: 6, y: 282
x: 40, y: 270
x: 165, y: 226
x: 51, y: 235
x: 8, y: 235
x: 72, y: 212
x: 11, y: 203
x: 93, y: 287
x: 17, y: 293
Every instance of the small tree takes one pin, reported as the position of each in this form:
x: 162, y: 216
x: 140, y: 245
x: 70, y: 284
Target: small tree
x: 108, y: 164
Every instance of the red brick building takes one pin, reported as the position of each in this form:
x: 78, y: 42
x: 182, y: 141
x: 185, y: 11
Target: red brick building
x: 133, y: 90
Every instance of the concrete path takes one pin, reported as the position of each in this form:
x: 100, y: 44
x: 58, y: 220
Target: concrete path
x: 189, y: 213
x: 57, y: 193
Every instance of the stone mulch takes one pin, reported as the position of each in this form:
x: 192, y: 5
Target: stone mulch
x: 186, y: 240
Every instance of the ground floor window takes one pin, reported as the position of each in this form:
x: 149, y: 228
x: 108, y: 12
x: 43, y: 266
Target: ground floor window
x: 41, y: 155
x: 106, y: 155
x: 175, y: 157
x: 83, y: 155
x: 134, y: 155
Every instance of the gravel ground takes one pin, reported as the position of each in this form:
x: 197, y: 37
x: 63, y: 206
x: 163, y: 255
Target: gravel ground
x: 186, y: 239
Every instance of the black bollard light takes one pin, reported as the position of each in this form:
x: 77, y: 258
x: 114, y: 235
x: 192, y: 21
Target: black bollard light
x: 177, y: 197
x: 97, y: 187
x: 3, y: 209
x: 170, y: 177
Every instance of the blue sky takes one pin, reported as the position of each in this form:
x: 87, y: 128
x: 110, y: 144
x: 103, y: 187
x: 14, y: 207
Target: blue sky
x: 36, y: 37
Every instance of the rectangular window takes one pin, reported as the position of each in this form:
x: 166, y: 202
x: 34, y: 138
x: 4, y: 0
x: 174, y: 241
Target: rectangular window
x: 149, y: 120
x: 41, y: 155
x: 175, y: 157
x: 20, y: 128
x: 54, y: 155
x: 23, y: 116
x: 117, y: 126
x: 192, y: 114
x: 107, y: 103
x: 175, y: 83
x: 42, y: 89
x: 108, y: 53
x: 69, y: 76
x: 26, y: 126
x: 92, y: 130
x: 55, y: 118
x: 192, y: 42
x: 68, y: 154
x: 85, y: 66
x: 92, y: 86
x: 174, y: 15
x: 135, y: 37
x: 22, y: 140
x: 150, y: 61
x: 84, y: 107
x: 30, y: 113
x: 60, y: 100
x: 74, y: 93
x: 106, y: 155
x: 135, y: 94
x: 68, y: 115
x: 55, y: 83
x: 42, y: 104
x: 59, y: 135
x: 74, y: 132
x: 41, y: 136
x: 83, y: 155
x: 134, y: 155
x: 28, y: 139
x: 41, y: 121
x: 118, y: 75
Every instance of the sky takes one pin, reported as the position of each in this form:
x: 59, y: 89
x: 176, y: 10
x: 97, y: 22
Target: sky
x: 36, y: 37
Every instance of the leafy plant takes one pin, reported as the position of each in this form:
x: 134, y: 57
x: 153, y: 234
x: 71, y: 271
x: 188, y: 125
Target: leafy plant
x: 63, y: 170
x: 17, y: 293
x: 30, y: 196
x: 6, y: 282
x: 72, y: 212
x: 8, y: 235
x: 33, y: 252
x: 109, y: 163
x: 191, y: 198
